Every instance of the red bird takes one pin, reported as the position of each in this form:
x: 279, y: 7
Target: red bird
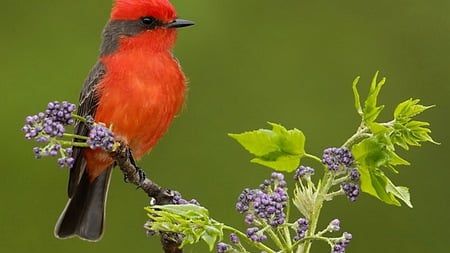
x: 136, y: 86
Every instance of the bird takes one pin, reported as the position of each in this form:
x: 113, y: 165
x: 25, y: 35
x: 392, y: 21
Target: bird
x: 136, y: 86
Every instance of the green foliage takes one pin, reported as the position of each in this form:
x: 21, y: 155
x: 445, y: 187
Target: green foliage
x: 409, y: 132
x: 373, y: 153
x: 377, y: 149
x: 370, y: 111
x: 190, y: 220
x: 279, y: 148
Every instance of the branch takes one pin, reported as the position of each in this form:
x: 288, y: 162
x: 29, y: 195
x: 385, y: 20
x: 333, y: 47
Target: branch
x: 133, y: 174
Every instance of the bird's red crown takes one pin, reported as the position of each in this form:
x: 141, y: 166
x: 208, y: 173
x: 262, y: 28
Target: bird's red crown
x: 135, y: 9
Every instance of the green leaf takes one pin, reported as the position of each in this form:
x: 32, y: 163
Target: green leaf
x: 400, y: 192
x: 371, y: 110
x: 279, y: 148
x: 408, y: 109
x: 280, y: 163
x: 372, y: 154
x: 190, y: 220
x: 356, y: 96
x: 374, y: 182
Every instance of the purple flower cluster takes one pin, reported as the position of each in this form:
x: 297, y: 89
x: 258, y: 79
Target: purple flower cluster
x: 266, y: 203
x: 351, y: 190
x: 50, y: 123
x: 47, y: 126
x: 302, y: 172
x: 302, y: 227
x: 340, y: 246
x: 255, y: 235
x: 100, y: 137
x: 67, y: 160
x: 60, y: 112
x: 178, y: 200
x: 334, y: 158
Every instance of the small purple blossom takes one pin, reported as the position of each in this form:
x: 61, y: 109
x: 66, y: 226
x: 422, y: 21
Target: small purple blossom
x: 351, y: 190
x: 244, y: 200
x: 178, y: 200
x: 340, y: 246
x: 334, y: 158
x: 303, y: 172
x: 223, y: 247
x: 54, y: 149
x: 335, y: 225
x: 150, y: 232
x: 249, y: 218
x: 66, y: 162
x: 100, y: 137
x: 234, y: 238
x: 354, y: 175
x: 302, y: 227
x: 255, y: 235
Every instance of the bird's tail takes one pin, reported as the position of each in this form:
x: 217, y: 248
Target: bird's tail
x: 84, y: 213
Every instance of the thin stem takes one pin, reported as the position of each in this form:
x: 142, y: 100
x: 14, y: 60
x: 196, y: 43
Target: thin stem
x: 78, y: 117
x: 362, y: 133
x: 331, y: 195
x: 287, y: 236
x: 313, y: 157
x: 275, y: 238
x: 320, y: 196
x: 82, y: 137
x: 340, y: 180
x: 74, y: 144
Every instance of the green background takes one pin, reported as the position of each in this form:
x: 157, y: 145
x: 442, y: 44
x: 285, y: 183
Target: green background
x: 290, y: 62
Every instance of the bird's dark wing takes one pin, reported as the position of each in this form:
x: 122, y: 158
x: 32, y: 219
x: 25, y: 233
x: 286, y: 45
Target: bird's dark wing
x: 88, y: 106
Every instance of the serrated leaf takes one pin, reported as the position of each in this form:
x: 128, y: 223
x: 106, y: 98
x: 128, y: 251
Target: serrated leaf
x: 374, y: 183
x: 258, y: 142
x: 370, y: 153
x: 411, y: 134
x: 281, y: 163
x: 279, y: 148
x: 190, y: 220
x: 408, y: 109
x: 371, y: 110
x: 290, y: 140
x: 187, y: 210
x: 356, y: 96
x: 400, y: 192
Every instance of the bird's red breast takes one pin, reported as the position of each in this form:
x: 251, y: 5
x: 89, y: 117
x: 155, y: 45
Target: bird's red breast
x: 140, y: 94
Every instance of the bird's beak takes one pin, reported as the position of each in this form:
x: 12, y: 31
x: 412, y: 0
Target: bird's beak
x: 179, y: 23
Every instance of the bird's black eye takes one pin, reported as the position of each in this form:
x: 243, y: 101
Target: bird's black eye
x: 148, y: 21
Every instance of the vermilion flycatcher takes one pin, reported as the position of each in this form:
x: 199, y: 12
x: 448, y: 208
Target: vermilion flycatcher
x: 136, y: 86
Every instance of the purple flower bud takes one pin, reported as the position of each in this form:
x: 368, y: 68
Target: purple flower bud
x: 222, y: 247
x: 354, y: 175
x: 234, y: 238
x: 334, y: 158
x: 335, y: 225
x: 101, y: 137
x: 351, y: 190
x: 303, y: 172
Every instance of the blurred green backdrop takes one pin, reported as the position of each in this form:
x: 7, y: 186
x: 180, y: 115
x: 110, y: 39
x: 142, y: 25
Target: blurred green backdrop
x: 248, y: 62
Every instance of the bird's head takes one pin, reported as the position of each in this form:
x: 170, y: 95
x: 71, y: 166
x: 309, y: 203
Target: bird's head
x: 142, y: 21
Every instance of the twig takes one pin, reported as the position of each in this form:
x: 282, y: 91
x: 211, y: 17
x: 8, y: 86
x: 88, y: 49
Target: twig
x: 133, y: 174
